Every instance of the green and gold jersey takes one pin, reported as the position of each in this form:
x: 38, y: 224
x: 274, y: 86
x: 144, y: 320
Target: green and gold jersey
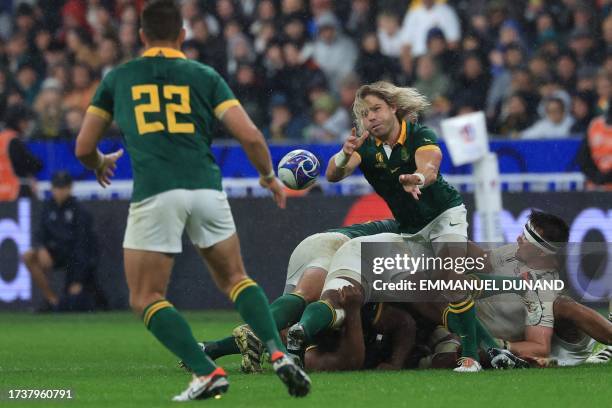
x: 367, y: 228
x: 383, y: 173
x: 166, y: 106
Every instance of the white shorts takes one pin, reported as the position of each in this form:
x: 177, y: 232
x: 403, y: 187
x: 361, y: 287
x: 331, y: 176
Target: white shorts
x: 346, y: 263
x: 450, y: 226
x: 315, y: 251
x: 157, y: 223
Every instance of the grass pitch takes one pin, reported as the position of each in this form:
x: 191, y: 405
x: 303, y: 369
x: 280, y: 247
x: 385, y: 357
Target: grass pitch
x: 110, y: 360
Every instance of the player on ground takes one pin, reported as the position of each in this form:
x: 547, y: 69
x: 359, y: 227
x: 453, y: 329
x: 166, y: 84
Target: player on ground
x: 166, y: 106
x: 306, y: 272
x: 400, y: 159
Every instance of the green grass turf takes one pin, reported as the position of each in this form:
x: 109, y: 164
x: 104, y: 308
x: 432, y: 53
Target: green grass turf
x: 110, y: 360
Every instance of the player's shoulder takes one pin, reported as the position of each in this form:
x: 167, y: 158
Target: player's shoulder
x: 422, y: 132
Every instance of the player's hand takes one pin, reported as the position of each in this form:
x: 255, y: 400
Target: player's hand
x: 350, y: 297
x: 106, y: 170
x: 410, y: 182
x: 353, y: 142
x: 277, y: 190
x: 75, y: 288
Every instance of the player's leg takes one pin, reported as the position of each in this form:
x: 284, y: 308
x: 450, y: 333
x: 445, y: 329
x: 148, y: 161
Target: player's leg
x: 226, y: 267
x: 147, y: 275
x: 211, y: 228
x: 584, y: 318
x: 153, y: 232
x: 38, y: 261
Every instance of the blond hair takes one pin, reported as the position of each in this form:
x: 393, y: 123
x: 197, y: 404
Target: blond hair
x: 409, y: 102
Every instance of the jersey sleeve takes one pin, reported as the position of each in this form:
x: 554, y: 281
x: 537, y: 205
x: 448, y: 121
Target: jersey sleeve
x: 102, y: 102
x: 425, y: 138
x: 222, y: 97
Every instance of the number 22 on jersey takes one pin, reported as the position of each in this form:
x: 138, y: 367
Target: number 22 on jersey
x: 168, y: 91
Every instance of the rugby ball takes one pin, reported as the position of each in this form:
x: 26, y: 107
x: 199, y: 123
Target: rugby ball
x: 299, y: 169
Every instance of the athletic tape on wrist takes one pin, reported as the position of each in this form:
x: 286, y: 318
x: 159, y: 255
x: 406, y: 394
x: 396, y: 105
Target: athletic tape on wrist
x: 341, y: 159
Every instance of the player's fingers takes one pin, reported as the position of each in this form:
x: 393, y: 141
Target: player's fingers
x: 364, y: 136
x: 353, y: 132
x: 118, y: 154
x: 281, y: 200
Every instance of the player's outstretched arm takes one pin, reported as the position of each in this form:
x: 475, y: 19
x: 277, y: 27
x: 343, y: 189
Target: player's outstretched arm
x: 344, y: 163
x: 428, y: 159
x: 399, y: 325
x: 86, y: 150
x: 241, y: 127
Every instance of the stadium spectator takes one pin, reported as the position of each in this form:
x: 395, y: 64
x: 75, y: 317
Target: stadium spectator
x: 405, y: 76
x: 284, y: 125
x: 595, y: 157
x: 448, y: 61
x: 566, y: 71
x: 64, y: 239
x: 28, y: 81
x: 425, y: 16
x: 332, y: 51
x: 340, y: 123
x: 109, y: 54
x: 83, y: 87
x: 18, y: 166
x: 515, y: 116
x: 430, y: 81
x: 583, y: 111
x: 48, y: 108
x: 472, y: 84
x: 372, y: 65
x: 389, y: 33
x: 251, y: 93
x: 556, y: 124
x: 500, y: 88
x: 360, y: 18
x: 322, y: 110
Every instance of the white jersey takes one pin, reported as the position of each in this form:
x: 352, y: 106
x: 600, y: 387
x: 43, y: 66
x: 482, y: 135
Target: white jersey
x: 505, y: 315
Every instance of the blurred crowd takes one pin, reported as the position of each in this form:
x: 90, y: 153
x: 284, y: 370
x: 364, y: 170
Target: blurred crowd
x: 539, y: 69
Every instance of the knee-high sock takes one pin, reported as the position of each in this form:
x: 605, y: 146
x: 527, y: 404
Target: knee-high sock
x: 252, y: 304
x: 460, y: 318
x: 287, y: 310
x: 317, y: 317
x: 173, y: 331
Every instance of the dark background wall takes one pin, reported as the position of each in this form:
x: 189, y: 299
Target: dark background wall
x: 268, y: 235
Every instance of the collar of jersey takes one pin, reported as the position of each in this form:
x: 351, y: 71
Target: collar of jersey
x: 401, y: 139
x: 163, y: 52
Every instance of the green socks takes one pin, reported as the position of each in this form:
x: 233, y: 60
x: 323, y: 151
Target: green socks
x: 461, y: 319
x: 171, y: 329
x: 287, y: 310
x: 317, y: 317
x: 252, y: 304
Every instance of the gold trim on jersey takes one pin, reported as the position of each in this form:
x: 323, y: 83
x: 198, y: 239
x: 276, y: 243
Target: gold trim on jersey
x: 100, y: 112
x: 224, y: 106
x: 456, y: 311
x: 326, y: 303
x: 401, y: 139
x: 165, y: 52
x: 428, y: 147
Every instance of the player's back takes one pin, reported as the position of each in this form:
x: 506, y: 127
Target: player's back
x: 166, y: 107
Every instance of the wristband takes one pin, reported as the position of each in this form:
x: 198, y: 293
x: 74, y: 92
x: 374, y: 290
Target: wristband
x: 269, y: 176
x: 341, y: 159
x: 421, y: 179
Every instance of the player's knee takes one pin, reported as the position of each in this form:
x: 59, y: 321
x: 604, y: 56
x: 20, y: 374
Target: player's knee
x: 228, y: 282
x: 139, y: 302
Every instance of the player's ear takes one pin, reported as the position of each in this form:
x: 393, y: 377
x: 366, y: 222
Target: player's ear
x: 143, y: 37
x: 181, y: 37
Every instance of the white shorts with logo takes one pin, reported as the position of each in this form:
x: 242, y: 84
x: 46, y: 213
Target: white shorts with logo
x: 157, y: 223
x: 315, y: 251
x: 450, y: 226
